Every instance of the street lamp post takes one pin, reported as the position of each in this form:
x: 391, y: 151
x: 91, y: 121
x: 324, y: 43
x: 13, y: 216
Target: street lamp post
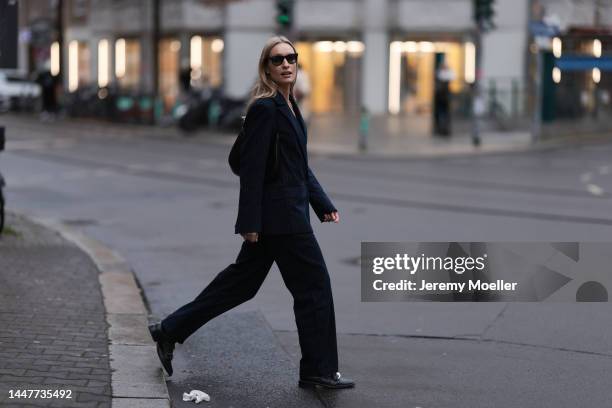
x: 483, y: 18
x: 477, y: 103
x: 536, y: 130
x: 59, y: 26
x: 597, y: 24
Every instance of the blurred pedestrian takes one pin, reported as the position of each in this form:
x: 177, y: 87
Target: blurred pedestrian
x: 47, y: 83
x: 276, y: 187
x: 185, y: 76
x: 442, y: 100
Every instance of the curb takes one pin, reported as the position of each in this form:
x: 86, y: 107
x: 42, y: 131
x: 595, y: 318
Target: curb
x: 137, y: 379
x: 225, y: 139
x: 487, y: 150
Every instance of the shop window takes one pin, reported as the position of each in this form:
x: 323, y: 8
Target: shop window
x: 127, y: 62
x: 79, y: 59
x: 169, y: 50
x: 332, y: 68
x: 412, y: 73
x: 206, y: 58
x: 84, y: 63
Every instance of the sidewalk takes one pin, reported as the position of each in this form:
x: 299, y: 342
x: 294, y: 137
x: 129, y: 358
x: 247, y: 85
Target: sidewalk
x: 407, y: 136
x: 53, y: 333
x: 73, y: 324
x: 389, y: 137
x: 395, y: 137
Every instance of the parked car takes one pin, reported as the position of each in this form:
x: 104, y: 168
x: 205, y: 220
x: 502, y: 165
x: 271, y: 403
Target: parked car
x: 17, y: 92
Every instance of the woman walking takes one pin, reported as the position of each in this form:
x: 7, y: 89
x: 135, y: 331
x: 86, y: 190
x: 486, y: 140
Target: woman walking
x: 276, y: 187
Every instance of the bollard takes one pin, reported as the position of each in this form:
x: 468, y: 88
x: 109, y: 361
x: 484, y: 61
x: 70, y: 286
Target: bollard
x: 214, y: 112
x: 364, y: 129
x: 515, y: 98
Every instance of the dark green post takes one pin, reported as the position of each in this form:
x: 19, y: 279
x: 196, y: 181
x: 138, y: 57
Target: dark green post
x: 548, y: 87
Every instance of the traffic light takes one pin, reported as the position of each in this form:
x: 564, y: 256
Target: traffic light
x: 284, y: 13
x: 484, y: 13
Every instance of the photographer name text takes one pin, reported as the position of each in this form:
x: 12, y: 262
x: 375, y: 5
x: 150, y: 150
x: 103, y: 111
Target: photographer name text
x: 425, y: 286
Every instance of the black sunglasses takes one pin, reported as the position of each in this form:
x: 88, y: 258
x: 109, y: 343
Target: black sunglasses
x: 278, y: 59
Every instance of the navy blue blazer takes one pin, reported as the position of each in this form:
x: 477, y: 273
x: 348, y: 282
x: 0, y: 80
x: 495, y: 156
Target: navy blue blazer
x: 279, y: 205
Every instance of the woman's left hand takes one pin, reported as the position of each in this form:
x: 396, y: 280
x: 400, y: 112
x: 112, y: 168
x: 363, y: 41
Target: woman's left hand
x: 332, y: 217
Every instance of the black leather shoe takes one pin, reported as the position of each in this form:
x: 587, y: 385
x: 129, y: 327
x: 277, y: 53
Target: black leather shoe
x: 165, y: 346
x: 334, y: 382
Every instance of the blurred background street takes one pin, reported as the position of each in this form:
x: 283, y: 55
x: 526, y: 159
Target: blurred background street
x: 446, y: 120
x: 530, y: 66
x: 169, y: 206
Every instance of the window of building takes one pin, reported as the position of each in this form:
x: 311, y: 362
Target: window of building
x: 412, y: 73
x: 79, y: 69
x: 333, y: 71
x: 127, y: 62
x: 169, y: 50
x: 84, y: 63
x: 206, y: 59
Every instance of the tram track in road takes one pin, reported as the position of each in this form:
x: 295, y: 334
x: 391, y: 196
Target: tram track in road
x: 331, y: 168
x: 95, y: 132
x: 482, y: 172
x: 471, y: 184
x: 476, y: 210
x: 398, y: 202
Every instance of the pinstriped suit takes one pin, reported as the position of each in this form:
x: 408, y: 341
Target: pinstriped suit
x: 278, y: 209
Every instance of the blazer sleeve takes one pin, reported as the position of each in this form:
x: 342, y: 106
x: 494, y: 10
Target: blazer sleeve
x: 259, y: 128
x: 320, y: 202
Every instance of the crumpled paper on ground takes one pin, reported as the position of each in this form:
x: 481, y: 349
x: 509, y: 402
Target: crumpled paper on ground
x: 197, y: 396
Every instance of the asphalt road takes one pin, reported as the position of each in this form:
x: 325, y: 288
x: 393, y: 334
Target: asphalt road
x: 169, y: 207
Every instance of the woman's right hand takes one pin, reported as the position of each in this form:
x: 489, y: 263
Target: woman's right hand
x: 250, y: 236
x: 332, y: 217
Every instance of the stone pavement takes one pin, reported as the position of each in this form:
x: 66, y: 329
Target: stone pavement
x: 73, y: 321
x: 54, y: 334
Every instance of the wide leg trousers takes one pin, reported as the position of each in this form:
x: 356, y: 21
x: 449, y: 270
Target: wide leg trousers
x: 301, y: 263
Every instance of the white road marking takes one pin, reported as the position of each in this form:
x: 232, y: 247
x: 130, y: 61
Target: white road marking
x: 595, y: 190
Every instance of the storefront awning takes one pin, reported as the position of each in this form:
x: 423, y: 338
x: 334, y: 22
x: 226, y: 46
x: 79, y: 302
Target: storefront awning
x: 583, y: 63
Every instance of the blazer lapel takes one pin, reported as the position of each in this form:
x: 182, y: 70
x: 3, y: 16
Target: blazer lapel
x: 296, y: 108
x: 298, y: 126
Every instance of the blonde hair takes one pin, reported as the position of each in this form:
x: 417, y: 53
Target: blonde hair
x: 264, y: 86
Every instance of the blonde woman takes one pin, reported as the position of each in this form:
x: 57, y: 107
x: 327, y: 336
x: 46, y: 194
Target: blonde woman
x: 274, y: 221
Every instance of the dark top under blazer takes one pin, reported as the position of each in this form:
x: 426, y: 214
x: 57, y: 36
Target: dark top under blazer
x: 277, y: 206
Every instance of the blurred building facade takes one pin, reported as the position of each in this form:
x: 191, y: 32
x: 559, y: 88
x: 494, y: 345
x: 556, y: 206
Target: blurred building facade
x: 380, y: 54
x: 577, y: 95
